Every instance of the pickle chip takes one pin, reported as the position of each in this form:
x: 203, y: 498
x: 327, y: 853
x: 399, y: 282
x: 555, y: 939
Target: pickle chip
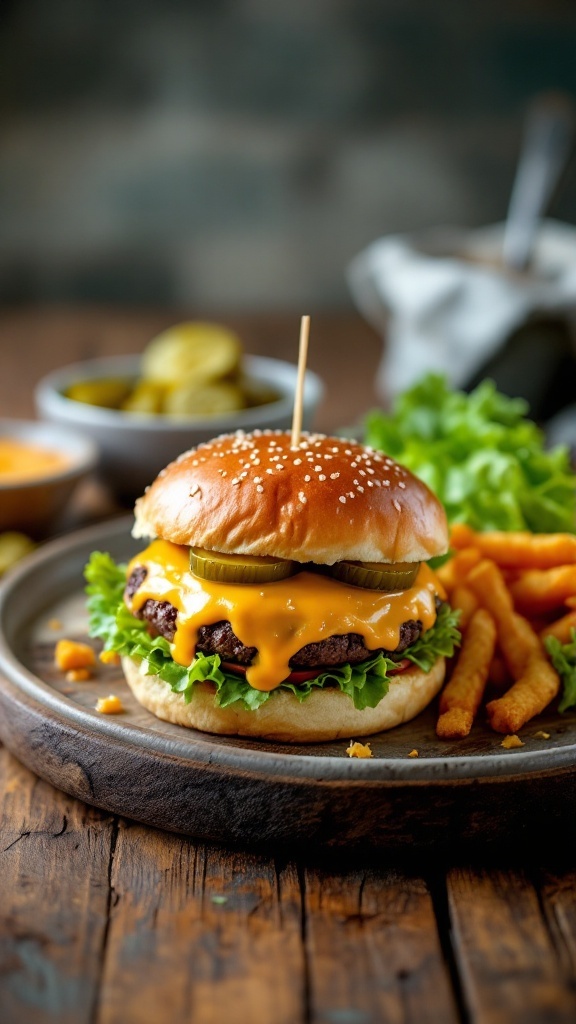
x: 147, y: 397
x: 221, y: 568
x: 210, y: 400
x: 376, y: 575
x: 108, y: 393
x: 13, y: 547
x: 194, y: 351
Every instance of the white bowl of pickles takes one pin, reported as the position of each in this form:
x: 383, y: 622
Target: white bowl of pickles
x: 191, y: 384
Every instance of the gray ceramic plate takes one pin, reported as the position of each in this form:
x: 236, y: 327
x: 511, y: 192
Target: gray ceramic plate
x: 243, y: 790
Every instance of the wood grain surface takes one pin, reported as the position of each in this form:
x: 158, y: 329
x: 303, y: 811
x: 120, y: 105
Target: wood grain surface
x: 103, y: 920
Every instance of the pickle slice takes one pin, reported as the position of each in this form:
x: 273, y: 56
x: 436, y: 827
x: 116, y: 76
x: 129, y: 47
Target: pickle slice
x: 377, y: 575
x: 221, y: 568
x: 192, y: 352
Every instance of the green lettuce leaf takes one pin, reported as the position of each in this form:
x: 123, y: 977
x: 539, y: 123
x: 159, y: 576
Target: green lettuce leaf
x: 563, y: 657
x: 366, y: 684
x: 480, y: 455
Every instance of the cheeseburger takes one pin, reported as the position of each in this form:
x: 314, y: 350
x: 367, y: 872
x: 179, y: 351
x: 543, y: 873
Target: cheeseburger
x: 284, y: 592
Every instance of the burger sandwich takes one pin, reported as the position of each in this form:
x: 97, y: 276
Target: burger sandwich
x: 284, y: 592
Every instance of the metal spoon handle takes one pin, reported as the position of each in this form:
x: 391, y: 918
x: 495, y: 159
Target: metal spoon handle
x: 546, y: 145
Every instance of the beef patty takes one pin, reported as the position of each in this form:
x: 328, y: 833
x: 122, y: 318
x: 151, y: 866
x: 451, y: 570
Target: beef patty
x: 220, y: 639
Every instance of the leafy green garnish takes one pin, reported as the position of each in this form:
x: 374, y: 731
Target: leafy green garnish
x: 480, y: 455
x: 563, y: 657
x: 366, y: 684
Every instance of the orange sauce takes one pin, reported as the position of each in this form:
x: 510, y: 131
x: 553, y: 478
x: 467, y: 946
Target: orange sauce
x: 278, y: 618
x: 20, y: 461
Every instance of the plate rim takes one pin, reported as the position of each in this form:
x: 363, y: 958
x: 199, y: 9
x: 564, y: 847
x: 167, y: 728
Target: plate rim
x: 194, y: 748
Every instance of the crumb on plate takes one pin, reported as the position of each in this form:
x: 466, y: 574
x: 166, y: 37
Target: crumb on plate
x: 109, y: 657
x: 359, y: 749
x: 54, y: 625
x: 413, y: 753
x: 111, y: 705
x: 71, y: 654
x: 541, y: 735
x: 510, y: 742
x: 78, y: 675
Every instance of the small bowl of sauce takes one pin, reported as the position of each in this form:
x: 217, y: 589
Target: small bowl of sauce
x: 40, y: 467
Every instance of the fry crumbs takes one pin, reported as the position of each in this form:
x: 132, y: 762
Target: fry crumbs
x: 55, y: 625
x: 359, y: 750
x: 78, y: 675
x: 110, y: 705
x: 70, y: 654
x: 510, y: 742
x: 541, y: 735
x: 109, y: 657
x: 413, y: 753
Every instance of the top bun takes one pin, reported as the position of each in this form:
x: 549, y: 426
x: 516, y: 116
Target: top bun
x: 326, y: 501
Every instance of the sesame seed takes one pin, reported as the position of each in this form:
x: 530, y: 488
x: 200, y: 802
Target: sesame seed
x: 194, y: 462
x: 342, y: 499
x: 334, y: 476
x: 370, y: 483
x: 371, y: 471
x: 279, y: 465
x: 362, y: 472
x: 335, y: 449
x: 385, y: 482
x: 270, y: 471
x: 302, y: 497
x: 297, y: 462
x: 360, y: 489
x: 355, y: 482
x: 259, y: 488
x: 256, y: 462
x: 257, y: 479
x: 307, y: 478
x: 351, y: 494
x: 353, y: 464
x: 317, y: 469
x: 397, y: 505
x: 235, y: 481
x: 379, y: 483
x: 194, y: 490
x: 322, y: 476
x: 402, y: 484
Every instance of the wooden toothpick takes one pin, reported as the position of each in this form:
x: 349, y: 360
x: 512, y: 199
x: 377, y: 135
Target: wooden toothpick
x: 299, y: 396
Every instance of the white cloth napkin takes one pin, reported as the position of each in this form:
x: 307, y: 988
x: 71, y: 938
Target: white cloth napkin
x: 440, y: 311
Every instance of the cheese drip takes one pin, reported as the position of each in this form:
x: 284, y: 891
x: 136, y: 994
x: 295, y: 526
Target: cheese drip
x: 277, y: 618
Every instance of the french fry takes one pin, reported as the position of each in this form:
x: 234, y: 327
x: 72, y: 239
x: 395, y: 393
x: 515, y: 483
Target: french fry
x: 527, y: 697
x: 518, y: 550
x: 457, y: 568
x: 466, y: 602
x: 498, y: 674
x: 538, y: 591
x: 516, y: 639
x: 461, y: 697
x: 561, y: 629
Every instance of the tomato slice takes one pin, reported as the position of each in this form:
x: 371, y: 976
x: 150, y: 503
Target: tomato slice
x: 303, y: 675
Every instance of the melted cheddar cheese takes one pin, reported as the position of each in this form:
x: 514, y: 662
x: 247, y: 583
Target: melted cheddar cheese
x: 277, y: 618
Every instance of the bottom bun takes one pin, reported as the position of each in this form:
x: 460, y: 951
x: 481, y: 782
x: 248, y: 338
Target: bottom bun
x: 327, y: 714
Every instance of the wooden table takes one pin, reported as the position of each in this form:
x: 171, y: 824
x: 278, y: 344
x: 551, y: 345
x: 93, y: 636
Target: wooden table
x: 103, y: 920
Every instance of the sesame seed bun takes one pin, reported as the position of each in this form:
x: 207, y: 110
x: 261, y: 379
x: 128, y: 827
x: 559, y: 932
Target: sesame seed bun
x: 326, y: 501
x: 327, y: 714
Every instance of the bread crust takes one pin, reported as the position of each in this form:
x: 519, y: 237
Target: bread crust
x: 327, y: 714
x: 326, y: 501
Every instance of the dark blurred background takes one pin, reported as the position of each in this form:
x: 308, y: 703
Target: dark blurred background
x: 237, y: 153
